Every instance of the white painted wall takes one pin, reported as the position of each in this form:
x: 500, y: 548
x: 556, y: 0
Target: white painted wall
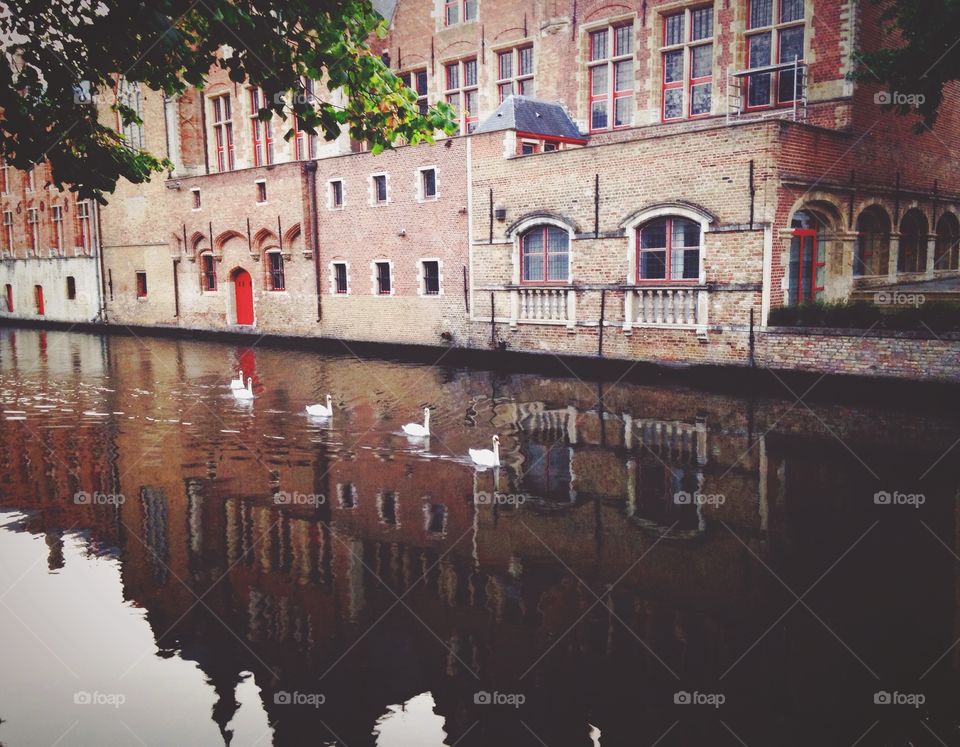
x: 51, y: 274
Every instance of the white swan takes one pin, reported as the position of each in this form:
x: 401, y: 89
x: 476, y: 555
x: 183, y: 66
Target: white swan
x: 485, y: 457
x: 415, y: 429
x: 321, y: 411
x: 246, y: 393
x: 237, y: 383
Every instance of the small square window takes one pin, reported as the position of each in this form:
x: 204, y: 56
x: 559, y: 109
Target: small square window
x: 340, y: 277
x: 383, y: 278
x: 261, y: 191
x: 380, y: 188
x: 196, y: 198
x: 431, y: 277
x: 336, y: 193
x: 428, y: 181
x: 141, y: 285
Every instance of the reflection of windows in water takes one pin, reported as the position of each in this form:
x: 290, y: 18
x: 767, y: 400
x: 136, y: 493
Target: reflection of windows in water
x: 347, y: 494
x: 195, y: 515
x: 155, y: 531
x: 657, y: 488
x: 387, y: 507
x: 435, y: 518
x: 546, y: 470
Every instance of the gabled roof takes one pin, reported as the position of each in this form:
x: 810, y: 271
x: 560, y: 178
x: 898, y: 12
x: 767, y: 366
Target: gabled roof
x: 385, y: 8
x: 532, y: 116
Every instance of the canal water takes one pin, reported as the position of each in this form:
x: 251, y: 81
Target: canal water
x: 650, y: 564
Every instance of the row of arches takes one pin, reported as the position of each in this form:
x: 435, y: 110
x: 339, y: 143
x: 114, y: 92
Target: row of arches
x: 258, y: 242
x: 874, y: 233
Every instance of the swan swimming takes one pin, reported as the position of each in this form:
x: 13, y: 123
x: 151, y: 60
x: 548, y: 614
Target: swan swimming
x: 321, y: 411
x: 415, y: 429
x: 486, y: 457
x: 237, y: 383
x: 246, y: 393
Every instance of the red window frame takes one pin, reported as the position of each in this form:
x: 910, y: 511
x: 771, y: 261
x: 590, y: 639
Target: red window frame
x: 609, y: 62
x: 208, y: 272
x: 8, y: 230
x: 668, y: 278
x: 775, y: 29
x: 4, y: 178
x: 141, y: 284
x: 686, y: 47
x: 223, y: 131
x: 261, y: 132
x: 808, y: 293
x: 544, y: 231
x: 412, y: 80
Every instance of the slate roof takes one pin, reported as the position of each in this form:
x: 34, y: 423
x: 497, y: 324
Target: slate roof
x: 526, y: 114
x: 385, y: 8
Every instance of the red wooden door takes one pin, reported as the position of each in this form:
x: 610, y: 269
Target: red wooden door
x: 243, y: 288
x: 38, y: 297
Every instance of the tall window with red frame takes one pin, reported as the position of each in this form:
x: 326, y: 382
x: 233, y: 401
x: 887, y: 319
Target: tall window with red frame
x: 545, y: 255
x: 416, y: 81
x: 459, y: 11
x: 305, y: 143
x: 515, y: 72
x: 611, y: 77
x: 775, y: 36
x: 223, y: 131
x: 261, y: 131
x: 461, y: 92
x: 8, y: 230
x: 668, y: 250
x: 808, y: 259
x: 687, y: 56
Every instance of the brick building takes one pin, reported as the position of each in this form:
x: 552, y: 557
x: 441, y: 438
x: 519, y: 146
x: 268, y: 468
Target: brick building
x: 637, y: 178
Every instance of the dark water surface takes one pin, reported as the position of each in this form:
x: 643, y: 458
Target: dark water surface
x: 650, y: 564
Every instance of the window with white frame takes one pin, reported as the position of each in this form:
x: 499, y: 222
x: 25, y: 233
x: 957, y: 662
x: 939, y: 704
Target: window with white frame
x: 388, y: 508
x: 687, y: 56
x: 84, y: 226
x: 427, y: 183
x: 4, y: 178
x: 430, y: 277
x: 611, y: 76
x: 305, y: 143
x: 668, y: 249
x: 208, y: 272
x: 29, y: 179
x: 335, y: 197
x: 544, y: 255
x: 8, y: 230
x: 56, y: 227
x: 379, y: 188
x: 275, y: 274
x: 341, y: 279
x: 515, y: 72
x: 459, y: 11
x: 383, y: 278
x: 347, y: 495
x: 416, y: 81
x: 461, y: 92
x: 33, y: 225
x: 128, y: 95
x: 223, y: 131
x: 775, y: 35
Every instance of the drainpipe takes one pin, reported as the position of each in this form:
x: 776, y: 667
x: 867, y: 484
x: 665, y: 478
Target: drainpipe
x: 98, y: 247
x: 310, y: 167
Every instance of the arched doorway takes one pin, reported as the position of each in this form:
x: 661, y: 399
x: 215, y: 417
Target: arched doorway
x: 243, y: 292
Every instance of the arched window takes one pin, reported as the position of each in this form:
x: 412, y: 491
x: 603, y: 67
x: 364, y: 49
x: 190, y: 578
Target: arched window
x: 545, y: 255
x: 128, y: 95
x: 913, y: 242
x: 274, y: 267
x: 669, y: 249
x: 945, y: 255
x: 208, y: 272
x: 872, y: 253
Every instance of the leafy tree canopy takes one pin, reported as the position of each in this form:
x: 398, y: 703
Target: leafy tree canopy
x: 58, y: 50
x: 922, y: 60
